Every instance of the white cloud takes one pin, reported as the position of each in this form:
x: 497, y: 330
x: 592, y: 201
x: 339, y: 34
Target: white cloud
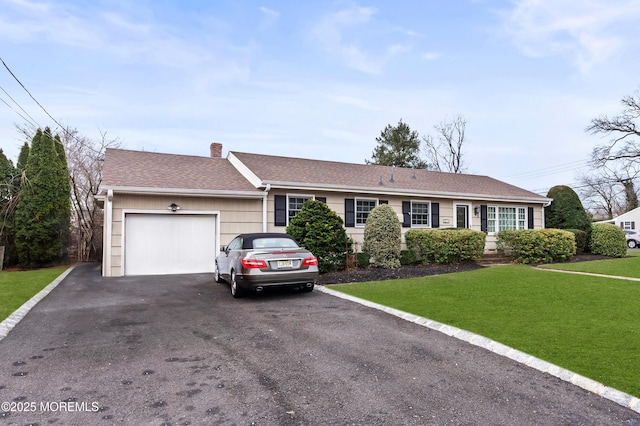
x: 589, y: 31
x: 269, y: 17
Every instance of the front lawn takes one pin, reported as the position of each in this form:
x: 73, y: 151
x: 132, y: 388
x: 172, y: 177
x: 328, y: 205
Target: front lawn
x: 18, y: 287
x: 589, y: 325
x: 625, y: 267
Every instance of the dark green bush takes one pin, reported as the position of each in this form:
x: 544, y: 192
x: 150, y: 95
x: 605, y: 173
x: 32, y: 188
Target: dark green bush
x: 319, y: 229
x: 383, y: 237
x: 446, y: 245
x: 537, y: 245
x: 566, y: 210
x: 408, y: 257
x: 609, y: 240
x: 364, y: 260
x: 582, y: 240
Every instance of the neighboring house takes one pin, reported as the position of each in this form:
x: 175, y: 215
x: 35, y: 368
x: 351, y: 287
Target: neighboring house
x: 629, y: 221
x: 168, y: 214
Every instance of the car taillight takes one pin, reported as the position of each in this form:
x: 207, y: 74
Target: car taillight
x: 310, y: 261
x: 254, y: 263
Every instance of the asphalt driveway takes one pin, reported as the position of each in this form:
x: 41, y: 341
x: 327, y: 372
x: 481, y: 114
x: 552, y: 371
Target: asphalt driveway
x: 178, y: 350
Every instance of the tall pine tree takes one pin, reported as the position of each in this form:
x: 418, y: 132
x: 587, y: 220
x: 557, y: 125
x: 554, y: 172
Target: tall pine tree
x: 42, y: 215
x: 8, y: 197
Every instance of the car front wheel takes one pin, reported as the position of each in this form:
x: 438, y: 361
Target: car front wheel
x: 218, y: 277
x: 632, y: 244
x: 236, y: 291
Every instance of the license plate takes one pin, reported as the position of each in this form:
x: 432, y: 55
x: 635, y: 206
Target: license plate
x: 285, y: 264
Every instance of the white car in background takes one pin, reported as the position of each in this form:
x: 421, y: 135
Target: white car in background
x: 633, y: 239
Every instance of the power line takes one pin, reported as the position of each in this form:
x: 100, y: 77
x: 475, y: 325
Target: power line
x: 23, y: 117
x: 33, y: 121
x: 26, y: 90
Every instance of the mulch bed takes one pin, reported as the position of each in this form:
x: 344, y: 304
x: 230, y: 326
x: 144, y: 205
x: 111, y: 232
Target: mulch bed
x: 412, y: 271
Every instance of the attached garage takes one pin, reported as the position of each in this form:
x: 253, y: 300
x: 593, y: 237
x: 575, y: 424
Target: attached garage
x: 169, y: 243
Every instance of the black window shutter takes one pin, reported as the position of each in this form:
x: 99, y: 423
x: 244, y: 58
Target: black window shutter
x: 322, y: 199
x: 435, y: 215
x: 633, y: 225
x: 280, y: 210
x: 406, y: 214
x: 383, y: 202
x: 530, y: 218
x: 483, y: 218
x: 349, y: 212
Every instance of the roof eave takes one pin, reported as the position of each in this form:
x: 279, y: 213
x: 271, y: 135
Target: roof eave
x: 403, y: 192
x: 182, y: 191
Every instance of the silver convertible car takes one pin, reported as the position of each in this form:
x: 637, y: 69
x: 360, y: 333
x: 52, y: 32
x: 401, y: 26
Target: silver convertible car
x: 252, y: 262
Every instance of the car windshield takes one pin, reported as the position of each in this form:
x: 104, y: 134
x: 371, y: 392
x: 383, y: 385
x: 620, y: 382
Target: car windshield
x: 269, y: 243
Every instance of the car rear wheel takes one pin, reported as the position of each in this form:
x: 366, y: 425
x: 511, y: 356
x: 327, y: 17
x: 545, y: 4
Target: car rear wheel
x: 236, y: 291
x: 632, y: 244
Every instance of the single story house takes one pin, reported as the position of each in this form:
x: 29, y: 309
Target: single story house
x: 168, y: 214
x: 626, y: 221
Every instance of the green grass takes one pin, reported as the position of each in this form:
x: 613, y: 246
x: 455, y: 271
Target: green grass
x: 589, y: 325
x: 18, y: 287
x: 625, y: 267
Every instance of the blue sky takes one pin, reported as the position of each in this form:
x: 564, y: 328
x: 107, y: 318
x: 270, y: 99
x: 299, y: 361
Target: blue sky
x: 321, y: 79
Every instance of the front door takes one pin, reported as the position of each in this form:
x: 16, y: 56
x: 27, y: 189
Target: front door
x: 462, y: 216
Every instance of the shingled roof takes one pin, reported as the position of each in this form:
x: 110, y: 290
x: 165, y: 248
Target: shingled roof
x: 297, y: 172
x: 140, y: 170
x: 249, y: 174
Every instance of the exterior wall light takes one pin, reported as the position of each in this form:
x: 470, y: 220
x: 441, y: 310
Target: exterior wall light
x: 174, y: 207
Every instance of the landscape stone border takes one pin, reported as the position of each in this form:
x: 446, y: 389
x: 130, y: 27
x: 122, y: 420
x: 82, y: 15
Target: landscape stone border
x: 621, y: 398
x: 7, y: 325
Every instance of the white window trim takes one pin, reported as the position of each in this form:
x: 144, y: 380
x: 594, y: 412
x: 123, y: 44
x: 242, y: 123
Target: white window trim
x: 309, y: 196
x: 355, y: 209
x: 516, y: 207
x: 428, y: 202
x: 469, y: 213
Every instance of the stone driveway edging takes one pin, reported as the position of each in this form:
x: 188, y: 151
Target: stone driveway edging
x: 7, y: 325
x: 589, y: 385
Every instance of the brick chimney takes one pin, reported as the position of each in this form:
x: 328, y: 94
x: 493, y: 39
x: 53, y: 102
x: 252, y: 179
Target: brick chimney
x: 216, y: 150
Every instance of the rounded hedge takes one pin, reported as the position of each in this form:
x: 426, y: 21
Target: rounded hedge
x: 537, y: 245
x: 566, y: 210
x: 608, y: 240
x: 383, y: 237
x: 320, y: 230
x: 445, y: 246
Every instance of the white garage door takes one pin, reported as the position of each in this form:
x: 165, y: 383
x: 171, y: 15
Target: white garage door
x: 158, y: 244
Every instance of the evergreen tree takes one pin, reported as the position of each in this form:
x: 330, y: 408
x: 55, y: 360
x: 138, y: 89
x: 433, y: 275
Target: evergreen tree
x: 43, y: 209
x: 398, y: 146
x: 566, y: 210
x: 63, y: 196
x: 8, y: 178
x: 23, y: 157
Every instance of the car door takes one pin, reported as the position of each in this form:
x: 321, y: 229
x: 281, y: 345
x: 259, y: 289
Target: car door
x: 225, y: 260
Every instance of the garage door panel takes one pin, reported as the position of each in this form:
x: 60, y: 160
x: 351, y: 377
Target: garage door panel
x: 157, y: 244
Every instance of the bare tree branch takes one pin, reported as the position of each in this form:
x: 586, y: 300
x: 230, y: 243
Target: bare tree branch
x: 444, y: 153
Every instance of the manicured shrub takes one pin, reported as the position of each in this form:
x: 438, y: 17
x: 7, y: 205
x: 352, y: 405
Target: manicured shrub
x: 408, y: 257
x: 363, y: 259
x: 582, y: 240
x: 537, y: 245
x: 319, y: 229
x: 383, y: 237
x: 566, y: 210
x: 608, y: 239
x: 446, y: 245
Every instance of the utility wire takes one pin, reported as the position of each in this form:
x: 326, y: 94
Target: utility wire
x: 17, y: 112
x: 26, y: 90
x: 33, y: 120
